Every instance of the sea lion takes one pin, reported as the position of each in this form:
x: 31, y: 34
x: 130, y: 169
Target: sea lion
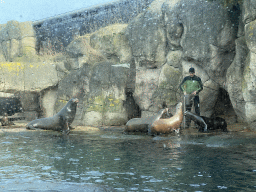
x: 207, y: 123
x: 59, y: 122
x: 141, y: 124
x: 163, y: 126
x: 5, y: 120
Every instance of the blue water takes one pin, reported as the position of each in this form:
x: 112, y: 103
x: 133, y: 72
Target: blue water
x: 199, y: 162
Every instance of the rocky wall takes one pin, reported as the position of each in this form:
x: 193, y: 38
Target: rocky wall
x: 131, y: 69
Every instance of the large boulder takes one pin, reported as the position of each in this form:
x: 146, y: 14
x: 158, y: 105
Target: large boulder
x: 179, y: 25
x: 153, y: 87
x: 18, y: 41
x: 250, y: 33
x: 249, y: 11
x: 168, y: 86
x: 112, y: 43
x: 248, y: 68
x: 80, y: 51
x: 101, y: 91
x: 48, y: 98
x: 235, y: 79
x: 205, y: 41
x: 147, y: 37
x: 106, y: 44
x: 249, y: 90
x: 146, y: 85
x: 107, y: 95
x: 27, y: 77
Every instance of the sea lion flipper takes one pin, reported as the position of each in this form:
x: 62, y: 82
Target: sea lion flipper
x: 31, y: 127
x: 66, y: 129
x: 205, y: 128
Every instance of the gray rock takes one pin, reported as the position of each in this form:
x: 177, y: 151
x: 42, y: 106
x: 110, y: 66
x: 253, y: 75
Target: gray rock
x: 107, y: 93
x: 205, y: 41
x: 174, y: 58
x: 147, y: 37
x: 112, y: 42
x: 101, y: 91
x: 30, y: 101
x: 250, y: 30
x: 147, y: 81
x: 234, y: 79
x: 17, y: 40
x: 249, y: 11
x: 208, y: 98
x: 48, y: 99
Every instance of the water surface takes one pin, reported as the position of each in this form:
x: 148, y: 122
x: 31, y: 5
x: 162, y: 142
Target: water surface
x: 199, y: 162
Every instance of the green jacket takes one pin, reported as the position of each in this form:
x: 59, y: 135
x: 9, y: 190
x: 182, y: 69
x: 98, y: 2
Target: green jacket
x: 191, y: 84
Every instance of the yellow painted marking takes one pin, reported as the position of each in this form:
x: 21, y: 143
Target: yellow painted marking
x: 12, y: 67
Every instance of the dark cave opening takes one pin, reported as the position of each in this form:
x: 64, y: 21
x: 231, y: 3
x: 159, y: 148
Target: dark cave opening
x: 223, y: 106
x: 132, y: 109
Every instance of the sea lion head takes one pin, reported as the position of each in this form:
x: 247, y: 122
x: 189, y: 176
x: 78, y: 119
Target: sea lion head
x: 74, y: 100
x: 178, y: 106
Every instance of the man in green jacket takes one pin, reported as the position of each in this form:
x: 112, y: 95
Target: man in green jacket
x: 192, y: 84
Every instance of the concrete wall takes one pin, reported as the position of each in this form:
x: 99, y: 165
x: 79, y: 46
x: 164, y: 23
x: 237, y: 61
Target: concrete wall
x: 56, y: 33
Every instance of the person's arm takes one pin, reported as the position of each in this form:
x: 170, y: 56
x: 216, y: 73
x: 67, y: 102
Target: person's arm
x: 200, y: 85
x: 182, y: 86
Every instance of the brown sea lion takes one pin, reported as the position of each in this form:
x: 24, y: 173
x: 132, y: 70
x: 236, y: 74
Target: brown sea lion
x: 59, y: 122
x: 163, y: 126
x: 142, y: 124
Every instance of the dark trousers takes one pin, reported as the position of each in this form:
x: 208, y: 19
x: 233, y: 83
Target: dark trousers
x: 197, y: 109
